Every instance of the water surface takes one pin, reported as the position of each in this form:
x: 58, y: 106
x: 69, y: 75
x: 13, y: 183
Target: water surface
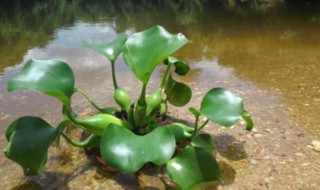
x: 272, y: 48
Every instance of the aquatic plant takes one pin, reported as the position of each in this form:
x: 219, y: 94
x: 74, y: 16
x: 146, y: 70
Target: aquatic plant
x: 130, y: 137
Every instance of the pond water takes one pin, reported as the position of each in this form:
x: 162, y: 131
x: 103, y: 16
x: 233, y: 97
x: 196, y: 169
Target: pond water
x: 274, y: 48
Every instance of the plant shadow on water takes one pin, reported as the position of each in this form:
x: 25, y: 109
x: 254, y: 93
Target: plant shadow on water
x: 126, y: 181
x: 228, y: 148
x: 152, y: 178
x: 48, y: 180
x: 149, y: 178
x: 55, y: 179
x: 27, y: 184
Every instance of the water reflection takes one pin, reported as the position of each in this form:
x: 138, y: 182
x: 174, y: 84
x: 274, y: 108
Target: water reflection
x: 274, y: 49
x: 67, y: 44
x: 277, y: 49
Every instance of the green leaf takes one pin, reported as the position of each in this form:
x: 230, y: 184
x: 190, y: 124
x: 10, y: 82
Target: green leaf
x: 181, y: 68
x: 96, y: 124
x: 52, y: 77
x: 205, y: 142
x: 222, y: 107
x: 194, y: 111
x: 247, y: 117
x: 143, y: 51
x: 193, y: 168
x: 128, y: 152
x: 111, y: 49
x: 178, y: 94
x: 28, y: 141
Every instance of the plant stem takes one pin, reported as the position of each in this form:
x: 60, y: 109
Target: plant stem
x: 130, y: 115
x: 139, y: 116
x: 203, y: 124
x: 84, y: 143
x: 63, y: 124
x: 67, y: 113
x: 89, y: 100
x: 196, y: 128
x: 140, y: 109
x: 165, y: 76
x: 196, y: 123
x: 114, y: 80
x: 142, y: 99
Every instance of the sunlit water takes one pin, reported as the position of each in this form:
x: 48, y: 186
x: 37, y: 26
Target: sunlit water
x: 270, y: 51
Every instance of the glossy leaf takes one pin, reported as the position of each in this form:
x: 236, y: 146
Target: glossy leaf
x: 222, y: 107
x: 193, y: 167
x: 181, y: 68
x: 96, y: 124
x: 143, y: 51
x: 204, y: 141
x: 29, y: 139
x: 111, y: 49
x: 128, y: 152
x: 247, y: 117
x: 52, y: 77
x: 178, y: 94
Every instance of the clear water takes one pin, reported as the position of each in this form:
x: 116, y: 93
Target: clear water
x: 274, y: 48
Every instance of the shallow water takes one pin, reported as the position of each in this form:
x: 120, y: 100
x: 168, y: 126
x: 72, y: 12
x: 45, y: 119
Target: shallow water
x: 274, y: 49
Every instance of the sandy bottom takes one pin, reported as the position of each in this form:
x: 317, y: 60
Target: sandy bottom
x: 277, y: 154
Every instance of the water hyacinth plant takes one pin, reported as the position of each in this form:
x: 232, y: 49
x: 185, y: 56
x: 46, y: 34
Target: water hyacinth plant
x: 135, y: 137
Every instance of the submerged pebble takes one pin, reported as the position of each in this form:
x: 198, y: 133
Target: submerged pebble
x: 299, y: 154
x: 305, y: 164
x: 316, y: 145
x: 253, y: 162
x: 257, y: 135
x: 267, y: 157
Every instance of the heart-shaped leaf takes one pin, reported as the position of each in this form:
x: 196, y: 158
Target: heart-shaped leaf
x: 52, y: 77
x: 181, y: 68
x: 111, y: 49
x: 143, y: 51
x: 128, y: 152
x: 193, y: 167
x: 178, y: 94
x: 222, y: 107
x: 204, y: 141
x: 29, y: 139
